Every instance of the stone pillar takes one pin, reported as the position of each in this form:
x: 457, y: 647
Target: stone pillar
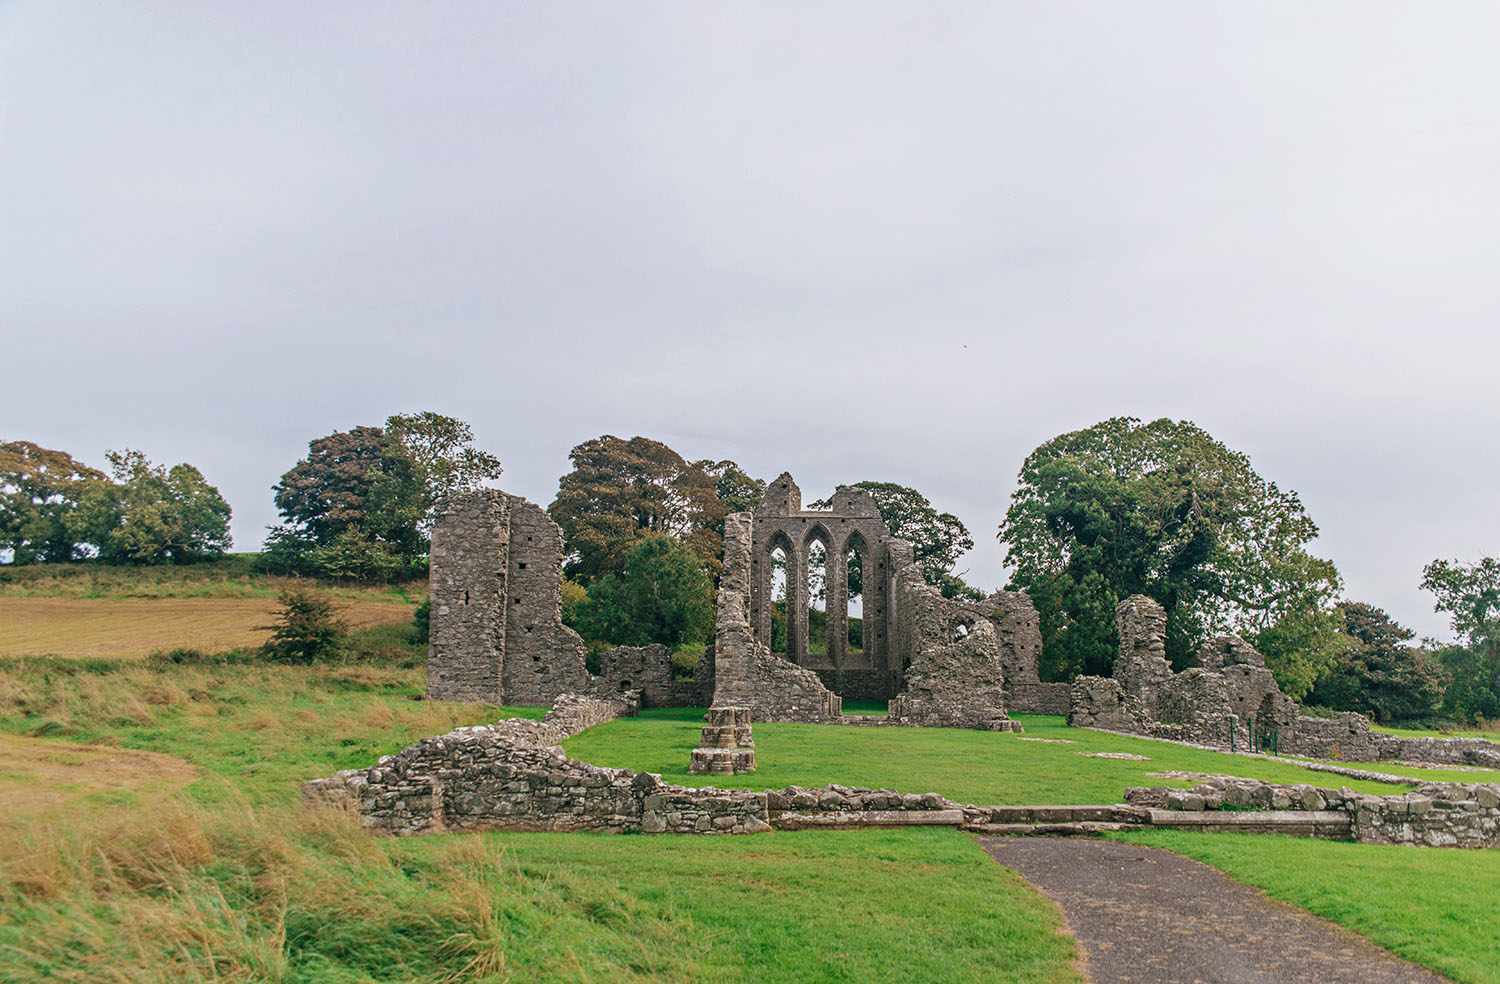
x: 836, y: 607
x: 796, y: 604
x: 727, y: 747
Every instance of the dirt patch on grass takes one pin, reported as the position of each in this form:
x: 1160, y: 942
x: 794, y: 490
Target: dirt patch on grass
x: 134, y: 627
x: 39, y: 775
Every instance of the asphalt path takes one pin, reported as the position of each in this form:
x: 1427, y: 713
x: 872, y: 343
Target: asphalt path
x: 1147, y: 916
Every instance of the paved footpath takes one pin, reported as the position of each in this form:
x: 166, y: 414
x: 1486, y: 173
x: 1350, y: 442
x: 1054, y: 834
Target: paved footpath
x: 1149, y: 916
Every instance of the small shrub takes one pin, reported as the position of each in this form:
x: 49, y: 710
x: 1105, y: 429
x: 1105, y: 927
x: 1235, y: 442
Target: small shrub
x: 307, y: 630
x: 422, y: 618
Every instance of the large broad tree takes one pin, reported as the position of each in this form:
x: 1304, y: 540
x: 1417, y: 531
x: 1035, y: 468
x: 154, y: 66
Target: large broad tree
x: 621, y: 492
x: 39, y: 493
x: 1470, y: 594
x: 151, y: 514
x: 1378, y: 673
x: 662, y: 595
x: 361, y: 504
x: 1164, y: 510
x: 938, y: 539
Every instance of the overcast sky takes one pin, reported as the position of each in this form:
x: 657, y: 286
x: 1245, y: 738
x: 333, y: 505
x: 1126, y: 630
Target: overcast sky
x: 897, y: 242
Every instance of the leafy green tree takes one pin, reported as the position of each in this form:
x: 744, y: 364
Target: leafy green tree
x: 621, y: 492
x: 361, y: 504
x: 152, y: 515
x: 442, y: 450
x: 937, y: 539
x: 1470, y: 594
x: 39, y: 493
x: 1377, y: 673
x: 307, y: 629
x: 737, y: 491
x: 1164, y: 510
x: 662, y: 595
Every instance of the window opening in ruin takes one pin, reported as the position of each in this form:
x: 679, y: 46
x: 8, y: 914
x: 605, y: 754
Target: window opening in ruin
x: 521, y: 565
x: 960, y: 632
x: 817, y: 597
x: 854, y: 580
x: 466, y: 597
x: 778, y: 600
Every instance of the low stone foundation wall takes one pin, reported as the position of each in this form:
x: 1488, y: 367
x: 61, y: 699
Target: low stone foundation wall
x: 1432, y: 815
x: 859, y: 684
x: 1038, y: 698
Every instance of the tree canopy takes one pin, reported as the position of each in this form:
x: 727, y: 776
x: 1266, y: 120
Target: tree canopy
x: 1470, y: 595
x: 1164, y: 510
x: 151, y: 514
x: 621, y: 492
x: 361, y: 504
x: 1377, y: 673
x: 662, y: 595
x: 54, y: 508
x: 39, y: 492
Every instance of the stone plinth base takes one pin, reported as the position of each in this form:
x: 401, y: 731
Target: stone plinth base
x: 727, y: 746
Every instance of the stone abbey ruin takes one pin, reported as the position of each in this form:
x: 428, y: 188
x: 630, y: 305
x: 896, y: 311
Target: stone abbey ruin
x: 497, y: 636
x: 497, y: 632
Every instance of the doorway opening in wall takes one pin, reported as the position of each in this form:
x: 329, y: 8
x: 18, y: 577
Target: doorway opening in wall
x: 778, y: 601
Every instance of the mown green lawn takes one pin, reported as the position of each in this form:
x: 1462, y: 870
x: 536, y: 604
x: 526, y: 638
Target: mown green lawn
x: 968, y: 766
x: 1434, y: 907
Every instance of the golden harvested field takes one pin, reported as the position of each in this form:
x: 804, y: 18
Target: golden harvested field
x: 136, y: 627
x: 38, y: 775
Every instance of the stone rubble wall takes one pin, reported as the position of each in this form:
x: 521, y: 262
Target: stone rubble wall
x: 746, y: 673
x: 1226, y: 689
x: 648, y: 669
x: 511, y: 776
x: 468, y: 561
x: 955, y: 678
x: 1038, y: 698
x: 1432, y: 815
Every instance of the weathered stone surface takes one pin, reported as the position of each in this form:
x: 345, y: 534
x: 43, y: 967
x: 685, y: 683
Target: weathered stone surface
x: 1433, y: 815
x: 728, y: 746
x: 496, y: 631
x: 954, y: 676
x: 648, y: 669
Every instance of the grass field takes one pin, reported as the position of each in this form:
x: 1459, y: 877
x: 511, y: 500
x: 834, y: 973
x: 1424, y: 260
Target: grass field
x: 969, y: 766
x: 228, y: 877
x: 149, y: 831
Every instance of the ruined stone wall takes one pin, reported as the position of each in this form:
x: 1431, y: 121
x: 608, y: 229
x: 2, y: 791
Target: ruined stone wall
x: 496, y: 631
x: 1020, y: 632
x: 852, y: 522
x: 1228, y: 687
x: 746, y: 673
x: 648, y: 669
x: 469, y: 560
x: 510, y: 776
x: 1432, y: 815
x: 542, y: 657
x: 953, y: 676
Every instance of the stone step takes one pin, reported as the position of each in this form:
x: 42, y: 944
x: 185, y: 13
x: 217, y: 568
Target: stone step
x: 1067, y: 813
x: 796, y: 820
x: 1330, y: 824
x: 1083, y: 828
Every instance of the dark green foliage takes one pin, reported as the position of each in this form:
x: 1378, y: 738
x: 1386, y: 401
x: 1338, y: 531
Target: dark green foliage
x: 360, y: 505
x: 1470, y: 594
x: 307, y: 629
x: 1163, y: 509
x: 1377, y: 673
x: 621, y: 492
x: 39, y: 493
x: 661, y: 596
x: 421, y: 620
x: 937, y: 539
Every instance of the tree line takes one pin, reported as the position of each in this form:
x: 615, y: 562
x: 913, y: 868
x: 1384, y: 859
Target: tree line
x: 1123, y: 507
